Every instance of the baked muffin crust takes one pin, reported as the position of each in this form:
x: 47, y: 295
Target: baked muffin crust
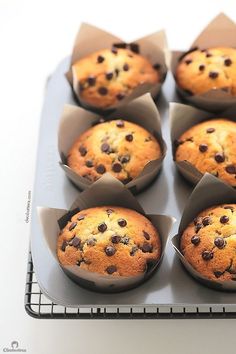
x: 107, y: 76
x: 109, y: 240
x: 210, y: 146
x: 209, y: 243
x: 202, y: 70
x: 119, y: 147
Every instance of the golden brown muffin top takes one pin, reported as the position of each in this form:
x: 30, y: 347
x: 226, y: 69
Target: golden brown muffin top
x: 210, y: 147
x: 109, y: 240
x: 209, y: 242
x: 108, y: 76
x: 202, y: 70
x: 119, y: 147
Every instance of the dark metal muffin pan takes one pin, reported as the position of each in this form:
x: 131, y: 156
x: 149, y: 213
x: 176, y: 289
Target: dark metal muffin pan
x: 170, y: 286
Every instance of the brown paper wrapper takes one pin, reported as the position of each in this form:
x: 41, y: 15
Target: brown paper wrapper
x: 183, y: 117
x: 142, y: 111
x: 209, y: 191
x: 220, y: 32
x: 90, y: 39
x: 106, y: 191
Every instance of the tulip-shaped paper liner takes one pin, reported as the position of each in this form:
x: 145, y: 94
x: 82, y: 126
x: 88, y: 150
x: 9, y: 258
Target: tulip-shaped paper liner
x: 182, y: 118
x: 76, y: 120
x: 210, y: 191
x: 106, y: 191
x: 220, y: 32
x: 90, y: 39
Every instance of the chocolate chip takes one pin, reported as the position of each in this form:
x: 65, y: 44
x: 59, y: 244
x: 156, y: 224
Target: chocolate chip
x: 102, y: 227
x: 89, y: 163
x: 82, y: 150
x: 91, y: 241
x: 219, y: 157
x: 114, y: 50
x: 116, y: 167
x: 206, y: 221
x: 125, y: 67
x: 134, y: 47
x: 224, y: 219
x: 198, y: 227
x: 115, y: 238
x: 229, y: 207
x: 189, y: 51
x: 109, y: 211
x: 207, y: 255
x: 122, y: 222
x: 203, y: 147
x: 149, y: 138
x: 72, y: 226
x: 120, y: 123
x: 228, y: 62
x: 213, y: 74
x: 156, y: 66
x: 100, y: 169
x: 102, y: 91
x: 117, y: 72
x: 110, y: 251
x: 91, y: 80
x: 124, y: 158
x: 120, y: 96
x: 76, y: 241
x: 195, y: 240
x: 195, y: 221
x: 111, y: 269
x: 146, y: 235
x: 146, y: 247
x: 177, y: 143
x: 125, y: 240
x: 109, y: 75
x: 231, y: 169
x: 120, y: 45
x: 210, y: 130
x: 201, y: 67
x: 100, y: 59
x: 63, y: 246
x: 219, y: 242
x: 133, y: 250
x: 217, y: 273
x: 208, y: 55
x: 105, y: 147
x: 129, y: 137
x: 188, y: 61
x: 81, y: 217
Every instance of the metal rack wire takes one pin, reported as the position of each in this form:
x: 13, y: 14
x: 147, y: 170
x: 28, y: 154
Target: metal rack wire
x: 39, y: 306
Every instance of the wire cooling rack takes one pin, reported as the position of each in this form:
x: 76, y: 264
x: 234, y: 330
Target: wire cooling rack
x: 38, y: 305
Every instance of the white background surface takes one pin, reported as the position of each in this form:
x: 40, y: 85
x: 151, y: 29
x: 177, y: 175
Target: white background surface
x: 34, y: 37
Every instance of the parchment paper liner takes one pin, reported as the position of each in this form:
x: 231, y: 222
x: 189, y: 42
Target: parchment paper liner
x: 183, y: 117
x: 106, y: 191
x: 90, y: 39
x: 209, y: 191
x: 75, y: 120
x: 221, y: 31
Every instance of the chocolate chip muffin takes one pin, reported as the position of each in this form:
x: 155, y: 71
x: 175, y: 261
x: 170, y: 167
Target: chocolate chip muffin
x: 107, y: 76
x: 210, y: 147
x: 209, y: 243
x: 200, y: 71
x: 109, y: 240
x: 118, y: 147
